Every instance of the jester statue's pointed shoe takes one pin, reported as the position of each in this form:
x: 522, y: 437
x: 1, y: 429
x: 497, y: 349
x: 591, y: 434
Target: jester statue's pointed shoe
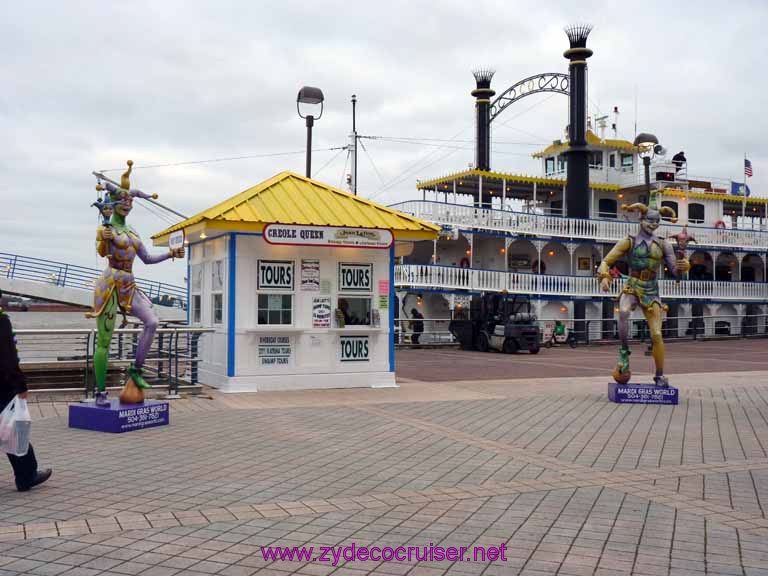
x: 133, y: 391
x: 622, y: 373
x: 661, y: 381
x: 101, y: 399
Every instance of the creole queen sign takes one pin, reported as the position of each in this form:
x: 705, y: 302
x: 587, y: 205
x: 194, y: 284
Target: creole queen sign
x: 298, y: 235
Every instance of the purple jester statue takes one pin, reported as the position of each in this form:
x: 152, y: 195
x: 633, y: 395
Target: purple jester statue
x: 116, y: 289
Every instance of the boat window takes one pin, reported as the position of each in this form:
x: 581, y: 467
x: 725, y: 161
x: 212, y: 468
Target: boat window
x: 695, y: 213
x: 549, y: 165
x: 626, y: 161
x: 670, y: 204
x: 606, y: 208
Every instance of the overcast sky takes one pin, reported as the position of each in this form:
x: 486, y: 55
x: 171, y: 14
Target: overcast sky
x: 87, y: 85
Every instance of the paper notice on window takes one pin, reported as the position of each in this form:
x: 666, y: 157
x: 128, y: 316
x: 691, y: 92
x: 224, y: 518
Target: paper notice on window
x: 321, y: 312
x: 310, y: 275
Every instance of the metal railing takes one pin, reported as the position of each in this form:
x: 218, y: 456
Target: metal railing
x: 62, y: 359
x: 479, y: 280
x: 673, y: 327
x: 435, y: 332
x: 609, y: 230
x: 594, y: 330
x: 64, y: 275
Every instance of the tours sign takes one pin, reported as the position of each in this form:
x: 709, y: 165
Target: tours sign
x: 275, y: 275
x: 354, y: 349
x: 333, y: 236
x: 355, y: 277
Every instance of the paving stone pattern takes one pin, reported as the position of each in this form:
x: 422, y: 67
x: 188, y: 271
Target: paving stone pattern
x: 569, y: 482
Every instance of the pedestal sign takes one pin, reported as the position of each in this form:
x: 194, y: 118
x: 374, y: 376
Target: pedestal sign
x: 118, y: 418
x: 641, y: 394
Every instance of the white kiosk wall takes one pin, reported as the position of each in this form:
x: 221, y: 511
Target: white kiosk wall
x: 285, y: 330
x: 208, y: 288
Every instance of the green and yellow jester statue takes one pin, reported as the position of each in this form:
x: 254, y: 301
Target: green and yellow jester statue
x: 644, y: 252
x: 116, y: 289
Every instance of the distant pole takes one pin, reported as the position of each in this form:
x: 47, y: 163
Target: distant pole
x: 354, y: 133
x: 744, y: 190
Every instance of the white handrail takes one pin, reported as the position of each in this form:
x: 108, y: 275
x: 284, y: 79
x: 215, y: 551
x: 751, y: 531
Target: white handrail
x: 507, y: 221
x: 479, y: 280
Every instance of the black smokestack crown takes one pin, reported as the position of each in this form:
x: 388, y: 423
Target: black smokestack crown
x: 578, y: 34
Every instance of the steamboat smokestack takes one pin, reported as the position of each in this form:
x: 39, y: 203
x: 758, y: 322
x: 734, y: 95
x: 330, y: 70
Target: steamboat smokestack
x: 577, y: 189
x: 483, y: 94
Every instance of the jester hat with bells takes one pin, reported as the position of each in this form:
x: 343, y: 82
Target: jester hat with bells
x: 653, y: 207
x: 121, y: 193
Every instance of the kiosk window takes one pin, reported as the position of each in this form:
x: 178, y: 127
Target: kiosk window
x: 218, y: 308
x: 196, y: 288
x: 356, y: 311
x: 217, y: 289
x: 275, y: 309
x: 196, y: 308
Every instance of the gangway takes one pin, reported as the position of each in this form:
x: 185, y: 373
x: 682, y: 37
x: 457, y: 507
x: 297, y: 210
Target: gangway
x: 71, y: 284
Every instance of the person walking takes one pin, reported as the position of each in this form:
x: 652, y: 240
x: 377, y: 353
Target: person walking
x: 13, y: 383
x: 417, y: 325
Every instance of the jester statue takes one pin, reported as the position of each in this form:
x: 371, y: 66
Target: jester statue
x: 644, y: 253
x: 116, y: 289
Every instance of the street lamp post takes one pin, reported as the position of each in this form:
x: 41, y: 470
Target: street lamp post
x: 647, y: 145
x: 312, y: 96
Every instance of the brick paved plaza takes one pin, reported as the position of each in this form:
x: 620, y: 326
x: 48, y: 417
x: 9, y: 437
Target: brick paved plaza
x: 571, y: 483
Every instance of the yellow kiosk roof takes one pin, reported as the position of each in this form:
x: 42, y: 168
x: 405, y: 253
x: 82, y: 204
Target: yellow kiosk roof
x: 288, y: 198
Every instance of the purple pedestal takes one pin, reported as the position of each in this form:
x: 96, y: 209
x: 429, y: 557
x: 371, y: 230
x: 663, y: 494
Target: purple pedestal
x: 641, y: 394
x: 119, y: 417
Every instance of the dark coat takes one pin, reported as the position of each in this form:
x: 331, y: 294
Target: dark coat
x: 12, y: 379
x: 417, y: 323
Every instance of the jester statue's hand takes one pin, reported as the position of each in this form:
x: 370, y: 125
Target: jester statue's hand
x: 683, y: 266
x: 605, y: 284
x: 104, y: 233
x: 177, y: 252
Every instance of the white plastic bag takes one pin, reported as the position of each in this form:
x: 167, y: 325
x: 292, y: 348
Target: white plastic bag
x: 15, y: 426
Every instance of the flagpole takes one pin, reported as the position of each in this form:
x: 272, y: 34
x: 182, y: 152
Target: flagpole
x: 744, y: 191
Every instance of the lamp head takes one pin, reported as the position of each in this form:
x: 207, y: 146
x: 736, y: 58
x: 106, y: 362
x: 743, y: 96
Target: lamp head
x: 310, y: 95
x: 646, y: 144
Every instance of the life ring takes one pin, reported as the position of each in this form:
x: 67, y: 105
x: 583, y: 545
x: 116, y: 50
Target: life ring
x: 720, y: 224
x: 464, y: 263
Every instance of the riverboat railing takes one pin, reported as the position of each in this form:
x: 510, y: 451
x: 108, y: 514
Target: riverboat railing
x: 448, y: 278
x: 608, y: 230
x: 436, y: 331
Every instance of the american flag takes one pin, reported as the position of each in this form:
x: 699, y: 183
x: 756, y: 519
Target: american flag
x: 747, y: 168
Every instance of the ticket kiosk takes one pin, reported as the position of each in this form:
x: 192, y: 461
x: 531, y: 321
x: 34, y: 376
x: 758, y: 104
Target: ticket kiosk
x: 297, y: 280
